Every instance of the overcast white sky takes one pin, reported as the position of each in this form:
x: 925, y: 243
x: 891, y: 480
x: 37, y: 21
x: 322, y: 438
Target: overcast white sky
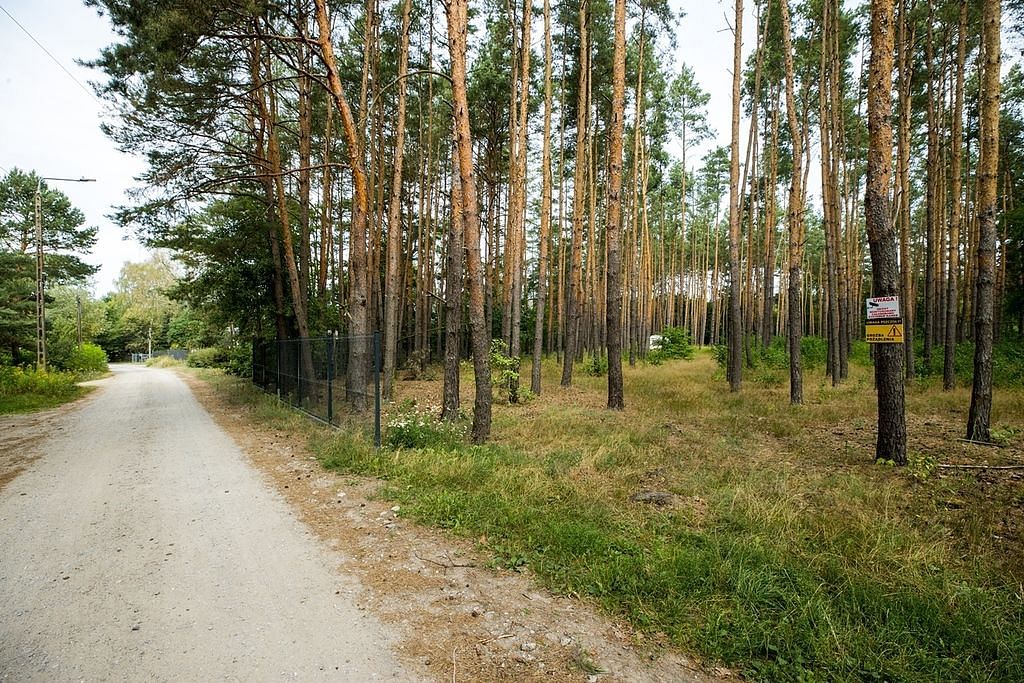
x: 50, y: 124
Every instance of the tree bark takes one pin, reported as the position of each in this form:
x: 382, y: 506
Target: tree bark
x: 479, y: 330
x: 892, y: 427
x: 358, y: 305
x: 613, y: 295
x: 454, y: 276
x: 980, y: 414
x: 904, y: 50
x: 956, y: 214
x: 392, y: 295
x: 575, y: 289
x: 796, y: 221
x: 545, y: 210
x: 735, y: 365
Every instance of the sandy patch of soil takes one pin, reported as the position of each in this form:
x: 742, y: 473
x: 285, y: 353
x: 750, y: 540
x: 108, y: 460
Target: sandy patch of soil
x: 21, y: 434
x: 460, y: 619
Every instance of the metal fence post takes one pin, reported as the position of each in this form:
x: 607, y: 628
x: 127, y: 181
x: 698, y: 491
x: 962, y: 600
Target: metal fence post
x: 330, y: 377
x: 376, y: 389
x: 277, y: 367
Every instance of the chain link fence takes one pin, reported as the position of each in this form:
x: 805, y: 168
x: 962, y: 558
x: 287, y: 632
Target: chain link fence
x: 330, y: 378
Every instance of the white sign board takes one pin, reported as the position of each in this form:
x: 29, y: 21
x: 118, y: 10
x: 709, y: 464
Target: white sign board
x: 883, y: 307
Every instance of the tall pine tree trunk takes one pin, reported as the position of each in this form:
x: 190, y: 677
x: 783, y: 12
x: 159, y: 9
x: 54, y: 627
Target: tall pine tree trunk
x: 454, y: 275
x: 956, y: 212
x: 358, y: 305
x: 392, y: 295
x: 545, y: 210
x: 614, y: 235
x: 478, y: 327
x: 892, y: 426
x: 575, y: 289
x: 979, y: 417
x: 735, y: 365
x: 796, y: 222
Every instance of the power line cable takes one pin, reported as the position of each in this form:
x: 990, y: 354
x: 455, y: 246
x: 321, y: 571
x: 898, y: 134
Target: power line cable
x: 56, y: 61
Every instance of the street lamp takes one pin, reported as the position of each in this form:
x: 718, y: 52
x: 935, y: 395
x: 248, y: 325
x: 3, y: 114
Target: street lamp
x: 40, y: 277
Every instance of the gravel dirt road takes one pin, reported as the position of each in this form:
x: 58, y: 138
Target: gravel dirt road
x: 139, y: 545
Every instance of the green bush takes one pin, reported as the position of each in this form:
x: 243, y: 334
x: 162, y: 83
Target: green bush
x: 239, y: 361
x: 813, y: 352
x: 860, y: 352
x: 504, y: 368
x: 675, y: 343
x: 595, y: 365
x: 19, y: 382
x: 720, y: 352
x: 235, y: 360
x: 413, y: 427
x: 775, y: 356
x: 213, y: 357
x: 87, y: 358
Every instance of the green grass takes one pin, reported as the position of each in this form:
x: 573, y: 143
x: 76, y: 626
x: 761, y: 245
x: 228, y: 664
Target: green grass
x: 30, y: 403
x: 788, y: 554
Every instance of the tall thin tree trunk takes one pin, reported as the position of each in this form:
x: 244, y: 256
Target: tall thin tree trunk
x: 545, y: 210
x: 892, y: 426
x: 956, y: 214
x: 478, y: 327
x: 904, y: 51
x: 358, y: 305
x: 735, y: 365
x: 768, y: 278
x: 932, y: 211
x: 268, y: 113
x: 392, y: 295
x: 574, y: 293
x: 616, y: 400
x: 454, y: 276
x: 517, y: 232
x: 795, y: 220
x: 326, y: 210
x: 980, y: 414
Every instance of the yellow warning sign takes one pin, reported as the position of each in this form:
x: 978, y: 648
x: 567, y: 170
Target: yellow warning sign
x: 889, y: 333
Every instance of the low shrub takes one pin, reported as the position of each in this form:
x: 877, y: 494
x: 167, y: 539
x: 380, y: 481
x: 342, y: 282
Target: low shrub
x: 775, y: 356
x: 413, y: 427
x: 239, y: 361
x: 504, y: 369
x: 52, y: 387
x: 595, y: 365
x: 813, y: 352
x: 212, y: 357
x: 675, y: 343
x: 87, y: 358
x: 235, y: 360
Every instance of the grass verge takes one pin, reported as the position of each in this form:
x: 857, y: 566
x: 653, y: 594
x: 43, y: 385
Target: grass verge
x: 24, y: 391
x: 783, y: 549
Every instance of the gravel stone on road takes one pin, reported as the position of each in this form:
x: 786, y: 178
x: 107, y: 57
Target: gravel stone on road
x: 141, y: 546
